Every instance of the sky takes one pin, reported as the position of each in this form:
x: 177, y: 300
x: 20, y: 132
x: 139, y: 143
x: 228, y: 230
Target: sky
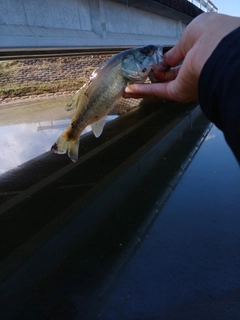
x: 231, y: 7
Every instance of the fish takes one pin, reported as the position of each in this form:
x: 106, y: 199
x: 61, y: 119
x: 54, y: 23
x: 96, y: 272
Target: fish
x: 96, y: 98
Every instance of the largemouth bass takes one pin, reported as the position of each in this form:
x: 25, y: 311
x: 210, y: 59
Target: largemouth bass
x: 105, y: 88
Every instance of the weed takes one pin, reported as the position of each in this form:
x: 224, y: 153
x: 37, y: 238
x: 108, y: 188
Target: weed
x: 36, y: 76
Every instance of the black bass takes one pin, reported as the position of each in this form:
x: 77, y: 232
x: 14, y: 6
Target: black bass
x: 105, y: 88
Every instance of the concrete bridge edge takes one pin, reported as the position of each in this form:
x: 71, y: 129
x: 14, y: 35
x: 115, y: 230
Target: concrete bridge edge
x: 82, y: 23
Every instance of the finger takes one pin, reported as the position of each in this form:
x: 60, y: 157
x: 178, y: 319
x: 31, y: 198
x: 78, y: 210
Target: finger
x: 146, y: 90
x: 179, y: 90
x: 175, y: 55
x: 165, y: 76
x: 136, y: 96
x: 161, y: 66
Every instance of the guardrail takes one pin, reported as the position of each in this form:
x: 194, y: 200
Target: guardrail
x: 34, y: 53
x: 205, y: 5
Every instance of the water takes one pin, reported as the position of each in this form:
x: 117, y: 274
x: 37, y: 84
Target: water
x: 185, y: 264
x: 29, y: 129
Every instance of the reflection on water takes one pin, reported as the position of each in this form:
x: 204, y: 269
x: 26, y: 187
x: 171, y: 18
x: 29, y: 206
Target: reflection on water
x: 22, y: 142
x: 23, y: 138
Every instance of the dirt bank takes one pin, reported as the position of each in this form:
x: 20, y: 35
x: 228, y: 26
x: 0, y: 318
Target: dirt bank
x: 24, y: 78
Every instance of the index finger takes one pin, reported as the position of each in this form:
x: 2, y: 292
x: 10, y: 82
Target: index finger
x: 146, y: 90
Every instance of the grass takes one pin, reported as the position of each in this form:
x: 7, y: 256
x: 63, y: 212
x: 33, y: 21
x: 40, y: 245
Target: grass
x: 40, y: 88
x: 14, y: 83
x: 33, y: 77
x: 7, y: 66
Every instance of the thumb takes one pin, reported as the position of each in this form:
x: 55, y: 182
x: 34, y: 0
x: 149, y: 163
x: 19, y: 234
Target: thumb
x: 174, y: 56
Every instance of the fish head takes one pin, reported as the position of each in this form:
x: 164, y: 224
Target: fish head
x: 138, y: 62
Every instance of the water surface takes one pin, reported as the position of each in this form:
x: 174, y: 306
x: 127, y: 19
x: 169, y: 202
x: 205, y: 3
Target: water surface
x: 29, y: 129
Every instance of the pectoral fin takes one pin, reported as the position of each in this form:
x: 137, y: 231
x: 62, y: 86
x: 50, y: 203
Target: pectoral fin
x: 97, y: 127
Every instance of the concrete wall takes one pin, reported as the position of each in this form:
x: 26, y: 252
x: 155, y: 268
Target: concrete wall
x: 79, y: 23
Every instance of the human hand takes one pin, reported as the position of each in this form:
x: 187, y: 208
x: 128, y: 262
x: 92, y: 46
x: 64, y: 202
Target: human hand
x: 179, y: 82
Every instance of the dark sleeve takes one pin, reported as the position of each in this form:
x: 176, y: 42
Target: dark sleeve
x: 219, y: 89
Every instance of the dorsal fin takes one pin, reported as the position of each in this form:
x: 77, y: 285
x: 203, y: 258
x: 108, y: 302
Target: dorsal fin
x: 73, y: 102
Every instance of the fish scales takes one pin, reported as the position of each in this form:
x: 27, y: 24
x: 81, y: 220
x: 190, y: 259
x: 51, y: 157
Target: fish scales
x: 98, y: 99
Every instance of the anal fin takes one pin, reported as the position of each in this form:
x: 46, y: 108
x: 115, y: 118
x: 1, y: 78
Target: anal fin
x: 97, y: 127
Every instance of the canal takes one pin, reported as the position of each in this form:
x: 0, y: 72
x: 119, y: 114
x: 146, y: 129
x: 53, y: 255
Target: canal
x: 144, y: 226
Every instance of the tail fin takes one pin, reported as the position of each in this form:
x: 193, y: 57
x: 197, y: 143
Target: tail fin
x: 63, y: 145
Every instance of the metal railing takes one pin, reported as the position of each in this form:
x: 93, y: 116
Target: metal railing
x: 205, y: 5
